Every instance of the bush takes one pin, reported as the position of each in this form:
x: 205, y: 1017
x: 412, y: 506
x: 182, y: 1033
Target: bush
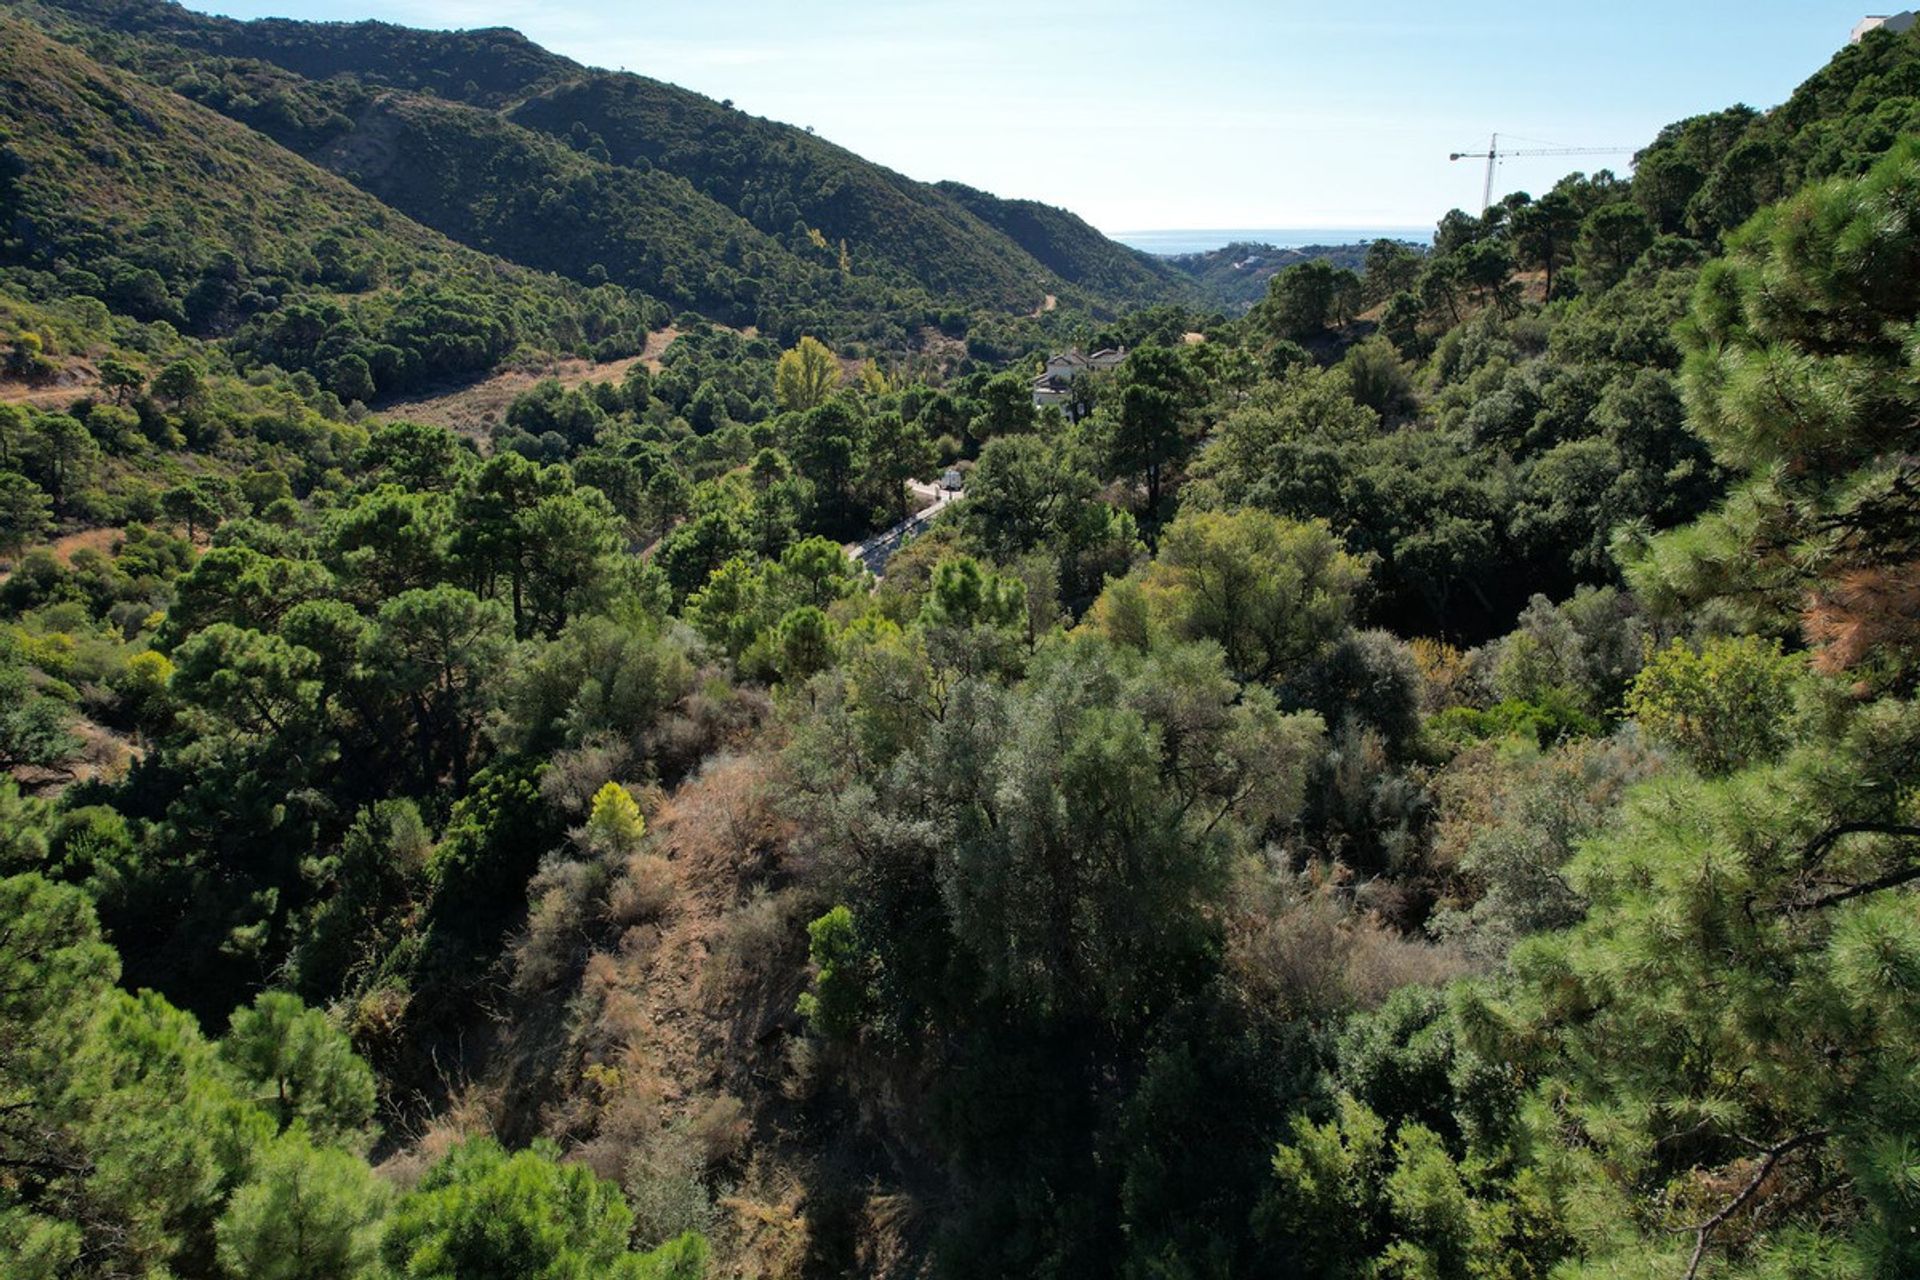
x: 1552, y: 719
x: 1299, y: 949
x: 839, y: 996
x: 481, y: 1212
x: 1723, y: 706
x: 1373, y: 677
x: 665, y: 1186
x: 642, y: 893
x: 556, y: 938
x: 758, y: 941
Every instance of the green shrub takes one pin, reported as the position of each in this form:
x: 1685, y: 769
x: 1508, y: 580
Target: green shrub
x: 1723, y: 706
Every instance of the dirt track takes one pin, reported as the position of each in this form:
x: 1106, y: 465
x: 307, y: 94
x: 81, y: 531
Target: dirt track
x: 473, y: 408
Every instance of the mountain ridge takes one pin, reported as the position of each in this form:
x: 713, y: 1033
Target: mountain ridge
x: 808, y: 195
x: 168, y: 211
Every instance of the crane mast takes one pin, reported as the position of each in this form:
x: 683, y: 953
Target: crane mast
x: 1493, y: 158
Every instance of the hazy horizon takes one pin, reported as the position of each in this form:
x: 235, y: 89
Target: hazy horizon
x: 1183, y: 240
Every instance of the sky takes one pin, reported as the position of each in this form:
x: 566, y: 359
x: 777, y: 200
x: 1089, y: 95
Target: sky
x: 1200, y: 114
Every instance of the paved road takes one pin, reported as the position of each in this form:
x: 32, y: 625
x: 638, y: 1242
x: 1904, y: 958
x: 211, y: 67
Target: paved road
x: 877, y: 550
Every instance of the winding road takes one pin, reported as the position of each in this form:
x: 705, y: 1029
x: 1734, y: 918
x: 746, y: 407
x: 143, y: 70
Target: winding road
x: 874, y: 553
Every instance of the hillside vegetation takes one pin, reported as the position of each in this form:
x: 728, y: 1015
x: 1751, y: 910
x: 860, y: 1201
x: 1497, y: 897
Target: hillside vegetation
x: 1413, y: 779
x: 1238, y: 274
x: 123, y: 192
x: 706, y: 206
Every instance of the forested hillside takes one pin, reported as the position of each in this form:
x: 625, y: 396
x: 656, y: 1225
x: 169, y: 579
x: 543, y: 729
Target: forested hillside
x: 598, y: 176
x: 118, y: 191
x: 1414, y: 779
x: 1238, y: 274
x: 1070, y: 248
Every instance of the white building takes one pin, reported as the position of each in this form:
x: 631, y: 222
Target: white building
x: 1046, y: 393
x: 1894, y: 22
x: 1055, y: 383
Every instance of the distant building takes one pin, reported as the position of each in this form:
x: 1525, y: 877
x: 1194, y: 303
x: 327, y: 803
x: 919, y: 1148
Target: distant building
x: 1046, y: 392
x: 1055, y: 383
x: 1894, y: 22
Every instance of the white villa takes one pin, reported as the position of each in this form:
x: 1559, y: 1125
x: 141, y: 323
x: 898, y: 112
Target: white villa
x: 1894, y: 22
x: 1056, y: 380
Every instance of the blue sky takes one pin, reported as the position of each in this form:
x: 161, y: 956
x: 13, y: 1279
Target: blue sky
x: 1208, y: 113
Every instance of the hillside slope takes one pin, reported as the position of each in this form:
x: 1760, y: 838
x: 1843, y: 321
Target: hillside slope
x: 786, y: 181
x: 107, y: 169
x: 487, y: 66
x: 1236, y: 275
x: 1704, y: 176
x: 116, y: 189
x: 758, y: 180
x: 1068, y: 246
x: 533, y: 200
x: 536, y: 200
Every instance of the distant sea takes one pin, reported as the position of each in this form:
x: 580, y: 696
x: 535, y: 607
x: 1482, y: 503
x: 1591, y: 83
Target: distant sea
x: 1281, y: 237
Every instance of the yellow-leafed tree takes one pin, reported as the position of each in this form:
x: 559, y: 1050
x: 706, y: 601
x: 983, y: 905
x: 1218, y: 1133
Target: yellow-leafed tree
x: 806, y: 375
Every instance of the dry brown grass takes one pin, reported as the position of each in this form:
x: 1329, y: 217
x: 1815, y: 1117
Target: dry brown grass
x: 891, y: 1223
x: 642, y: 893
x: 473, y: 409
x: 765, y: 1233
x: 1299, y: 947
x: 72, y: 378
x: 471, y: 1113
x: 723, y: 822
x: 104, y: 541
x: 756, y: 944
x: 668, y: 1015
x: 105, y: 754
x: 668, y: 1059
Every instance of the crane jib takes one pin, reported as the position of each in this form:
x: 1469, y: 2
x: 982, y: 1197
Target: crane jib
x: 1493, y: 155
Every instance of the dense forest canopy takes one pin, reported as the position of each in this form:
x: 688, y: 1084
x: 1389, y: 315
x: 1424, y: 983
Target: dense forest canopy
x: 1411, y: 777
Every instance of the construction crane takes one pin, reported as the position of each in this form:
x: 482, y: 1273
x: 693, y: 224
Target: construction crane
x: 1493, y: 155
